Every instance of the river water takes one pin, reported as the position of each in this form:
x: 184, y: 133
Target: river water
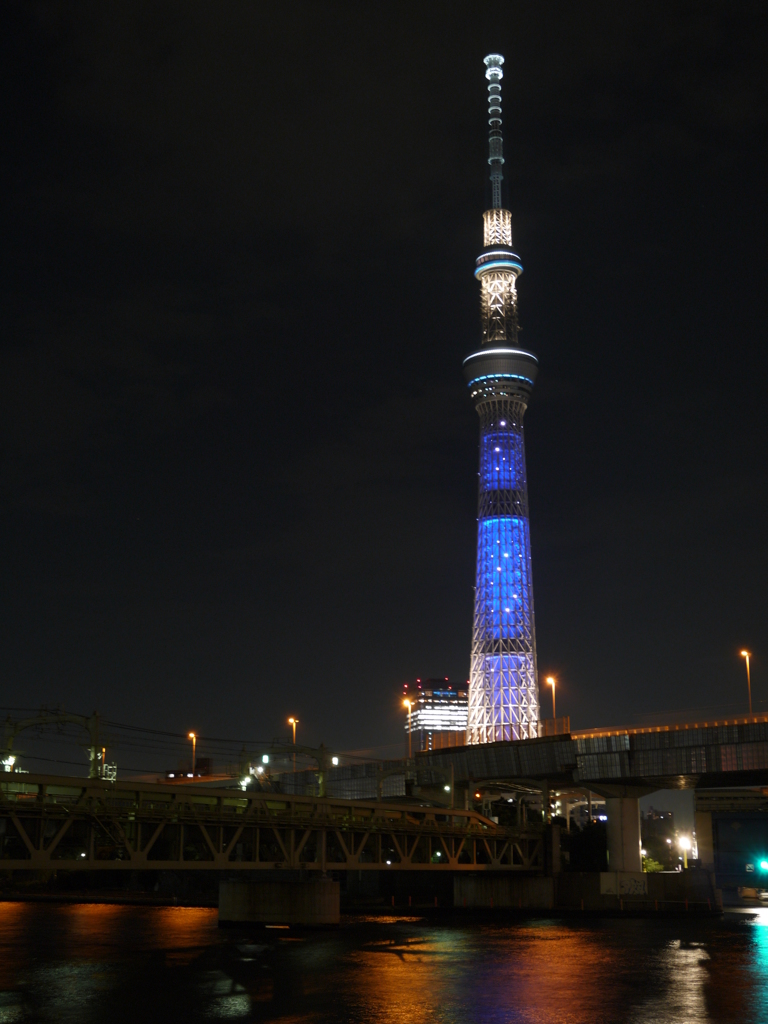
x: 85, y: 963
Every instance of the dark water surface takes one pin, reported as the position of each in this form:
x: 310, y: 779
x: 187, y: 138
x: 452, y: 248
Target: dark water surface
x: 101, y: 963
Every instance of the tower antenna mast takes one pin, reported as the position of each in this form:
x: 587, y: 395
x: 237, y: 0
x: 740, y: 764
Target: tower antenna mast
x: 494, y: 74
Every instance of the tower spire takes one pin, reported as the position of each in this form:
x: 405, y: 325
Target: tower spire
x: 494, y: 74
x: 503, y: 687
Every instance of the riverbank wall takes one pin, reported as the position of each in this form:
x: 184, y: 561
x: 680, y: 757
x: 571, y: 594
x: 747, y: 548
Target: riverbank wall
x: 380, y: 892
x: 595, y: 891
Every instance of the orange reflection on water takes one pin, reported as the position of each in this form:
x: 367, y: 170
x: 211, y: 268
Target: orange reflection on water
x: 546, y: 972
x: 391, y: 970
x: 184, y: 926
x: 12, y: 921
x: 402, y: 978
x: 94, y: 929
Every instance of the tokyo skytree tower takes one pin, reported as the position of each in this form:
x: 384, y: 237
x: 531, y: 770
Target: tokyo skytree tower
x: 503, y: 688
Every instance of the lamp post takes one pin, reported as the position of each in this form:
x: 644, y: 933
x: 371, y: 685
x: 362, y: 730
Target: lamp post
x: 294, y: 722
x: 745, y: 654
x: 685, y: 844
x: 551, y: 682
x: 409, y: 705
x: 193, y: 737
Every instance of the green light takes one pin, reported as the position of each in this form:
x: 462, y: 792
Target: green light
x: 764, y: 865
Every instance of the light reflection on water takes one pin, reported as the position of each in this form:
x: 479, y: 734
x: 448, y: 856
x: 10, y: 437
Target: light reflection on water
x: 100, y: 963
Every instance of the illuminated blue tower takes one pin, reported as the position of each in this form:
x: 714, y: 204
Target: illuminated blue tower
x: 503, y: 689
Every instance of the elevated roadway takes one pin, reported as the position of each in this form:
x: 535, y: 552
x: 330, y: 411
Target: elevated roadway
x: 620, y: 764
x: 699, y: 755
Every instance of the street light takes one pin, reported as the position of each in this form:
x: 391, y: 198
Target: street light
x: 294, y: 722
x: 193, y: 737
x: 551, y: 682
x: 408, y: 704
x: 685, y: 844
x: 745, y: 654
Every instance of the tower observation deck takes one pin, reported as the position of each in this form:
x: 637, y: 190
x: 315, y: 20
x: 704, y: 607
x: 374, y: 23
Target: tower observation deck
x: 503, y: 688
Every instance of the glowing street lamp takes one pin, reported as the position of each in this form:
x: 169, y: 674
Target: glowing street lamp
x: 745, y: 654
x: 685, y: 844
x: 409, y: 704
x: 193, y: 737
x: 294, y: 722
x: 551, y: 682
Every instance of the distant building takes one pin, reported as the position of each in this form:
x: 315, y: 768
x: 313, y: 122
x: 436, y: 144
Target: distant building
x: 659, y: 837
x: 438, y: 714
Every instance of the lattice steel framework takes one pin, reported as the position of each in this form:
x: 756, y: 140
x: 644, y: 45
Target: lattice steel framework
x: 503, y: 689
x: 49, y: 823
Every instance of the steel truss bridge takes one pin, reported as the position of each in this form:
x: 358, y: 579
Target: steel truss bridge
x: 52, y: 822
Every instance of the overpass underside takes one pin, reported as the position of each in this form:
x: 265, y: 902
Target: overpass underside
x: 50, y: 823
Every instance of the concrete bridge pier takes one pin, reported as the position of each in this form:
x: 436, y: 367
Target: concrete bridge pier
x: 622, y: 808
x: 624, y: 842
x: 290, y: 900
x: 705, y: 838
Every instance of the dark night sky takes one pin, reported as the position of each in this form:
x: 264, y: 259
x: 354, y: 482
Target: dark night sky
x: 238, y: 456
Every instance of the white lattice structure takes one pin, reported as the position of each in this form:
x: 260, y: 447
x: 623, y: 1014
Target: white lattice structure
x: 497, y: 228
x: 503, y: 688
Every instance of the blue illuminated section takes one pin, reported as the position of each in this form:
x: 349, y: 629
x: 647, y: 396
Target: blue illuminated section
x: 503, y: 597
x: 498, y: 376
x: 503, y: 694
x: 502, y: 460
x: 498, y: 265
